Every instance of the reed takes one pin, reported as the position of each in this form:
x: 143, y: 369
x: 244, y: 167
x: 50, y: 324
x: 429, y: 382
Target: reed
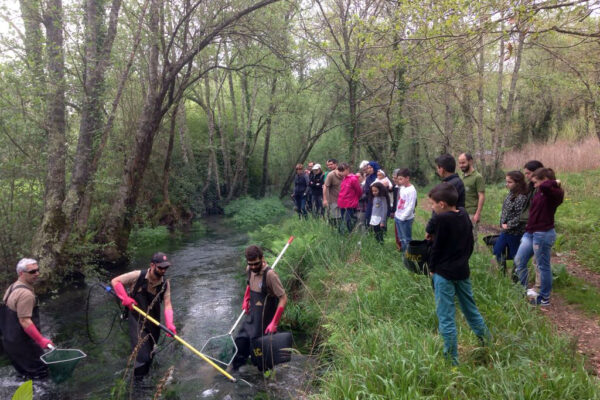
x: 562, y: 155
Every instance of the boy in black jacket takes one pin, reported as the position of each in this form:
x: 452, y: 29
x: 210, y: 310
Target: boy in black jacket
x: 450, y: 231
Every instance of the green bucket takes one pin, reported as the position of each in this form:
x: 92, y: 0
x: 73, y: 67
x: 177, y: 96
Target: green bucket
x: 62, y: 362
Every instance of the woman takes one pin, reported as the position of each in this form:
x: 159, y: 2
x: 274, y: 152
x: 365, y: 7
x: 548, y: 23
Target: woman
x: 510, y: 221
x: 539, y: 234
x: 300, y: 191
x: 316, y: 179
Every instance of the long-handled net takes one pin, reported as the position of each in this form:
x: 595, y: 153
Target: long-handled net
x: 222, y: 348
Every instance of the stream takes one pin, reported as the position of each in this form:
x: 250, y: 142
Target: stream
x: 206, y: 294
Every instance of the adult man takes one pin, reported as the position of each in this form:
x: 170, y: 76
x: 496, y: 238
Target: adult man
x: 331, y: 191
x: 446, y: 165
x: 474, y: 190
x: 264, y: 302
x: 331, y: 166
x: 147, y: 289
x: 19, y: 321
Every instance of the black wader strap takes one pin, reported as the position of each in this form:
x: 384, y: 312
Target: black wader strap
x: 263, y: 289
x: 12, y: 288
x: 139, y: 283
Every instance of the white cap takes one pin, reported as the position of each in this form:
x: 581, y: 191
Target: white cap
x: 363, y: 164
x: 316, y: 166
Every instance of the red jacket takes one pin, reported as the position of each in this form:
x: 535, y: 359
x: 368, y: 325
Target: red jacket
x: 350, y: 192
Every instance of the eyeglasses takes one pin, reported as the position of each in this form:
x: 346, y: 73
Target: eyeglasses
x: 162, y: 268
x: 254, y: 264
x: 33, y: 271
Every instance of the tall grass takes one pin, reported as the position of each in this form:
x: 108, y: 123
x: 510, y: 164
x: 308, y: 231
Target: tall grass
x: 376, y: 327
x: 562, y: 156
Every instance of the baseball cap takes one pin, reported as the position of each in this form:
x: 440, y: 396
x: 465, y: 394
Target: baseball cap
x: 316, y: 166
x: 160, y: 259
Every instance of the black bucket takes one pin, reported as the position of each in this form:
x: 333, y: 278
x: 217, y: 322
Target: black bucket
x: 417, y: 256
x: 490, y: 240
x: 270, y: 350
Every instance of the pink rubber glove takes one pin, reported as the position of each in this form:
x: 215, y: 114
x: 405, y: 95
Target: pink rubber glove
x: 169, y: 321
x: 272, y: 328
x: 41, y: 341
x: 122, y: 294
x: 246, y: 304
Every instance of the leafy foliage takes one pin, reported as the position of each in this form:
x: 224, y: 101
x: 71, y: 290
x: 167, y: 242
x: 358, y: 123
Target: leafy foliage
x: 247, y: 212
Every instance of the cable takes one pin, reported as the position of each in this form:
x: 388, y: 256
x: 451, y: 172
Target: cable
x: 87, y: 318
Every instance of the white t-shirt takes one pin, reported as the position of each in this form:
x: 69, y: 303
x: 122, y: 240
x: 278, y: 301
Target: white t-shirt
x: 405, y: 209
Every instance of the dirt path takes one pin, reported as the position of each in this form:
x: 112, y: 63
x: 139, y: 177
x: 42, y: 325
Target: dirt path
x: 585, y: 330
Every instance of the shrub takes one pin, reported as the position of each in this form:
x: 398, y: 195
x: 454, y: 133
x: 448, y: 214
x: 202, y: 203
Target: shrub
x: 248, y: 213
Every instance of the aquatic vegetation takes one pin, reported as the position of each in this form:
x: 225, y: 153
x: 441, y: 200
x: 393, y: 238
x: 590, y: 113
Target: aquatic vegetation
x: 248, y: 213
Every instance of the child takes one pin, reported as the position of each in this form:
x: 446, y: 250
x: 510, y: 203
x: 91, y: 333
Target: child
x: 510, y: 221
x: 450, y: 231
x: 379, y: 213
x: 404, y: 213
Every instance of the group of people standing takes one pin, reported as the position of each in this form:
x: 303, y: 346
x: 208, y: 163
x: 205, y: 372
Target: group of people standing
x: 527, y: 223
x: 362, y: 199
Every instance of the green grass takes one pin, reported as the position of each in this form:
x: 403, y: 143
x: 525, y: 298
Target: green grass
x: 576, y: 291
x: 376, y: 327
x: 248, y: 213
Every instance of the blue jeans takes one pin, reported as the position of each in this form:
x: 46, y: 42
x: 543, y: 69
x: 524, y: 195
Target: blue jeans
x: 348, y: 219
x: 506, y: 240
x: 538, y: 244
x: 445, y: 290
x: 300, y: 202
x: 404, y: 229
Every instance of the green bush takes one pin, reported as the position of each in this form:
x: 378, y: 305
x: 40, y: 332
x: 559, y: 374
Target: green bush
x: 248, y: 213
x: 149, y: 237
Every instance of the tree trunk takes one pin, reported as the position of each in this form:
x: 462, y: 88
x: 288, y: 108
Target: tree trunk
x: 499, y: 111
x: 265, y: 160
x: 481, y: 105
x: 45, y: 244
x: 91, y: 126
x: 167, y: 166
x: 34, y: 40
x: 117, y: 224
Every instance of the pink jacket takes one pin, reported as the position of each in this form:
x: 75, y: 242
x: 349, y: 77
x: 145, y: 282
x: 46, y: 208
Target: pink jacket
x: 350, y: 192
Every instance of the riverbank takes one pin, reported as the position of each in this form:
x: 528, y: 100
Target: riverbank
x: 375, y: 329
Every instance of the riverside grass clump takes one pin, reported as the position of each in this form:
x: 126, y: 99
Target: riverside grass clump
x: 248, y: 213
x: 375, y: 326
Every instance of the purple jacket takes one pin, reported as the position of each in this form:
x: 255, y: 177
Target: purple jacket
x: 546, y: 200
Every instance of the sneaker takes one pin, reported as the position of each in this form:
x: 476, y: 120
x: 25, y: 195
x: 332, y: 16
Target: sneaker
x: 539, y: 301
x: 532, y: 293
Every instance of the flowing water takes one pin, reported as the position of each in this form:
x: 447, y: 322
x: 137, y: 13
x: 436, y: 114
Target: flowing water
x: 206, y: 295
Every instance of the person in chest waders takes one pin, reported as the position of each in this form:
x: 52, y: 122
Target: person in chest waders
x: 264, y: 302
x: 147, y: 289
x: 19, y: 322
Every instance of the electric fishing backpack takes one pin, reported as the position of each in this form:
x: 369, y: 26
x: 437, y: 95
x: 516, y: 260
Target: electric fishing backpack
x: 269, y: 350
x: 416, y: 258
